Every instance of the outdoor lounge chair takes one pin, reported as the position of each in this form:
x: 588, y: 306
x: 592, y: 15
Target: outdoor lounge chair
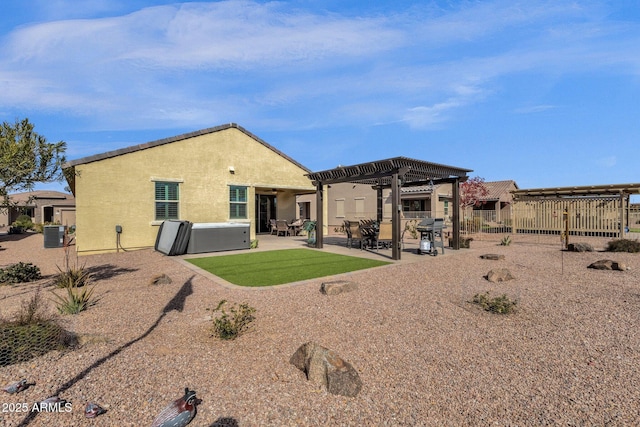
x: 272, y: 226
x: 295, y: 226
x: 282, y: 227
x: 347, y: 230
x: 384, y: 236
x: 356, y: 234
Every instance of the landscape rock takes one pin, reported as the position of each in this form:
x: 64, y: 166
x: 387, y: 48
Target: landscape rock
x: 607, y: 264
x: 325, y: 368
x: 338, y: 287
x: 499, y: 275
x: 161, y: 279
x: 580, y: 247
x: 495, y: 257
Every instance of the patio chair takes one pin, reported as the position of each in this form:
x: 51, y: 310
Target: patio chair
x: 347, y: 230
x: 282, y: 227
x: 384, y: 236
x: 295, y: 226
x: 272, y: 226
x: 356, y: 234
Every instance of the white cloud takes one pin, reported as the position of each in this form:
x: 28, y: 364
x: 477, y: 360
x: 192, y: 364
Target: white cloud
x: 607, y: 162
x: 195, y: 62
x: 535, y: 109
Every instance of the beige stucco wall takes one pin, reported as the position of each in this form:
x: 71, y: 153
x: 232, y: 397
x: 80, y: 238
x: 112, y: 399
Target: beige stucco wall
x: 120, y: 190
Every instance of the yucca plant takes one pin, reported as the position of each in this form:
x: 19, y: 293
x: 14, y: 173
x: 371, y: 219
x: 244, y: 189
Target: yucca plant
x: 506, y: 240
x: 72, y: 278
x: 75, y: 300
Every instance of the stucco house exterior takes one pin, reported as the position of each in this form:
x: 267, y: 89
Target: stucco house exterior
x: 42, y: 206
x: 347, y: 201
x: 498, y: 200
x: 219, y: 174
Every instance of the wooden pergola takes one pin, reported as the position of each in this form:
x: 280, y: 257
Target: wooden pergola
x: 391, y: 173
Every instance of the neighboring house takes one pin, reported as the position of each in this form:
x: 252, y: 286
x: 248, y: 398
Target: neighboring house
x: 498, y: 200
x: 349, y: 201
x: 42, y: 206
x: 219, y: 174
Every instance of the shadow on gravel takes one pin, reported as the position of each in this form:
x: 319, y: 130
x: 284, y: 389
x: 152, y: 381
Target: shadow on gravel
x: 225, y: 422
x: 107, y: 271
x: 175, y: 304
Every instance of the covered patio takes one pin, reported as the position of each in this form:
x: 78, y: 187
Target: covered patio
x: 391, y: 173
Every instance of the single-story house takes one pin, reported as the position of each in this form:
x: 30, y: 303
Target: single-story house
x: 352, y: 201
x: 498, y: 200
x: 349, y: 201
x: 42, y: 206
x: 220, y: 174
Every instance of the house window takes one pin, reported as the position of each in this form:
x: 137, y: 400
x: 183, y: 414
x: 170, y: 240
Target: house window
x: 167, y: 200
x: 446, y: 207
x: 339, y: 208
x: 237, y: 202
x: 359, y: 207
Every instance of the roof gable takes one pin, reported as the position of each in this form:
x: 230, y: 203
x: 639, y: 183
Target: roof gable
x: 499, y: 189
x: 147, y: 145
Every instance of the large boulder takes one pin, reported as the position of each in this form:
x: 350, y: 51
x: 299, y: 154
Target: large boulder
x: 499, y: 275
x: 607, y: 264
x: 325, y: 368
x: 161, y: 279
x: 580, y: 247
x: 337, y: 287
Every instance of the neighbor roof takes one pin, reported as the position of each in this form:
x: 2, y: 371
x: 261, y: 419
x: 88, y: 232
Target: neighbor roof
x: 146, y: 145
x: 29, y: 196
x: 588, y: 190
x: 498, y: 189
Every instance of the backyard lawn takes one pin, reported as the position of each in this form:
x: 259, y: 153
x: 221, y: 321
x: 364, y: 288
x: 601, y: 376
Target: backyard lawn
x: 282, y: 266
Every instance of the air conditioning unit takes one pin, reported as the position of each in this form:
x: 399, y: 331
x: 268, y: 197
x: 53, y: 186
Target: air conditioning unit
x: 54, y: 235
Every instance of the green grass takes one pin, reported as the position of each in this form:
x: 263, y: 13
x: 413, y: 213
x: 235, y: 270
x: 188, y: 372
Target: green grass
x: 282, y: 266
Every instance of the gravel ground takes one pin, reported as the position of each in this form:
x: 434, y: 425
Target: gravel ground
x: 426, y: 356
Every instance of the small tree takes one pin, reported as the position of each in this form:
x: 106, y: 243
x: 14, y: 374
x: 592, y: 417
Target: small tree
x: 26, y: 158
x: 472, y: 191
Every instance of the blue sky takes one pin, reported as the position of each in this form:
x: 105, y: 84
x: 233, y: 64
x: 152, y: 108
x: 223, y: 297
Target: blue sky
x: 543, y: 92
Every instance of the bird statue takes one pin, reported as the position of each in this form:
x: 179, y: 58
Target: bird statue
x: 18, y: 386
x: 92, y: 410
x: 178, y: 413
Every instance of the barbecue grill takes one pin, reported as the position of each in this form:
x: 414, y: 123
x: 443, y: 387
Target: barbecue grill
x: 430, y: 231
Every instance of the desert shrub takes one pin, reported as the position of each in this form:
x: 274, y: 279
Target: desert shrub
x: 254, y: 244
x: 32, y: 333
x: 499, y: 305
x: 411, y: 228
x: 72, y: 277
x: 506, y: 240
x: 465, y: 242
x: 229, y: 326
x: 75, y: 280
x: 623, y: 245
x: 76, y: 299
x: 20, y: 273
x: 24, y: 222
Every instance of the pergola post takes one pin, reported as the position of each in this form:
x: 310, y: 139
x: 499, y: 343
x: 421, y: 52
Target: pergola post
x: 380, y: 204
x: 319, y: 214
x: 621, y: 215
x: 395, y: 216
x: 456, y: 214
